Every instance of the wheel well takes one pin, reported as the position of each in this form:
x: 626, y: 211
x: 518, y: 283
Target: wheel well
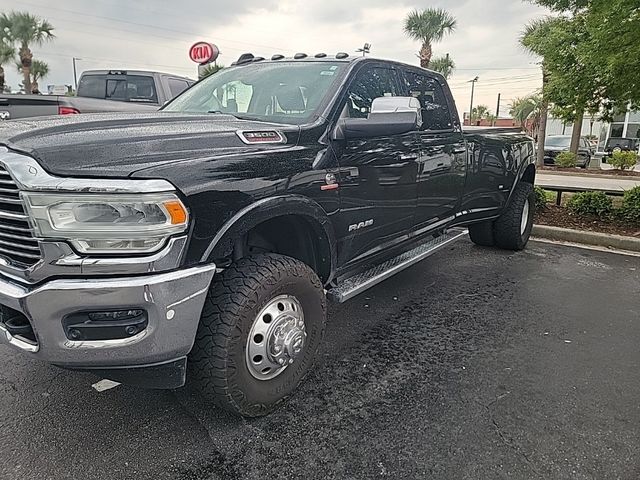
x: 529, y: 175
x: 290, y: 235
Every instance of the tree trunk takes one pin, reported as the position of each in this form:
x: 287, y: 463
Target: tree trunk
x: 542, y: 126
x: 542, y: 132
x: 25, y: 60
x: 425, y: 55
x: 577, y: 132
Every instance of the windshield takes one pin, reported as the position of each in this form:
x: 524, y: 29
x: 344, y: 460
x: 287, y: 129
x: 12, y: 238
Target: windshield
x: 557, y: 142
x: 276, y: 92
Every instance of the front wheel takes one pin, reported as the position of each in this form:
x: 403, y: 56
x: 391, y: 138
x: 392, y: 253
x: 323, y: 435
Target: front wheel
x: 512, y: 229
x: 261, y: 327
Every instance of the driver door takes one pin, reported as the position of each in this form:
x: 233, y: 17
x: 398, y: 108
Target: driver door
x: 377, y: 176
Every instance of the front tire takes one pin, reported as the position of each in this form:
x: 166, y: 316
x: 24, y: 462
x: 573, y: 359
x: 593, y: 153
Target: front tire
x: 260, y: 329
x: 512, y: 229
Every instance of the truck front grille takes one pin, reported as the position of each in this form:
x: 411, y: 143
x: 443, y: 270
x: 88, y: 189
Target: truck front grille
x: 17, y: 244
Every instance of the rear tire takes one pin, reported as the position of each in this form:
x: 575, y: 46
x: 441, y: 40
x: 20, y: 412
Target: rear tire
x: 512, y: 229
x: 251, y: 311
x: 482, y: 234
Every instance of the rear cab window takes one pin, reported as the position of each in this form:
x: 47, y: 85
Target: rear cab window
x: 124, y: 88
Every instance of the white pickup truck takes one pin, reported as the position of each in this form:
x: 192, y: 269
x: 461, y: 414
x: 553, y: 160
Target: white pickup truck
x: 100, y: 91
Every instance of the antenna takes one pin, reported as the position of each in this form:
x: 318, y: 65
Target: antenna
x: 366, y: 48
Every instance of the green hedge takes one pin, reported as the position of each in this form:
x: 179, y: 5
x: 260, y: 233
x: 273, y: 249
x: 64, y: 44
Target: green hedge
x: 566, y: 160
x: 591, y: 203
x: 629, y: 211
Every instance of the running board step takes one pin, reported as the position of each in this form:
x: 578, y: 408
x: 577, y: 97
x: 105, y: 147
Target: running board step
x: 352, y: 286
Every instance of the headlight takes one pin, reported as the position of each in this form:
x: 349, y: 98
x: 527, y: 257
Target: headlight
x: 108, y: 223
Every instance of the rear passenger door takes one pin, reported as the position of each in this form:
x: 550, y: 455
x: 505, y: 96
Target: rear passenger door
x: 377, y: 176
x: 442, y: 161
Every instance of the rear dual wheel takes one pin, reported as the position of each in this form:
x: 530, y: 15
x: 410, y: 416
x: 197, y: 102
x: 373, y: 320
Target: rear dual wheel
x: 510, y: 231
x: 260, y: 329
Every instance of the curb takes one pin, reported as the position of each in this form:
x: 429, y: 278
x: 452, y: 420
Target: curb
x: 589, y: 238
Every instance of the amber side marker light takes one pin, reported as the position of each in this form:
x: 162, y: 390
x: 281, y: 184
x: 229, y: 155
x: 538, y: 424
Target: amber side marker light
x: 176, y: 211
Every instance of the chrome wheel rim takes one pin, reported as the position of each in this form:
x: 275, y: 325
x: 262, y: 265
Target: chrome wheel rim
x: 525, y: 217
x: 277, y: 338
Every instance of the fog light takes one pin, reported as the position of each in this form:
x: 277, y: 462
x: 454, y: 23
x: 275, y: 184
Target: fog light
x: 105, y: 325
x: 115, y: 315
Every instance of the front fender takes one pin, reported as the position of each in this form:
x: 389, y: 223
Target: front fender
x: 266, y: 209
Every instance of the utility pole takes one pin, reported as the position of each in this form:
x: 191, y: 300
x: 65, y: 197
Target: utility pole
x: 75, y: 74
x: 473, y: 85
x: 498, y: 107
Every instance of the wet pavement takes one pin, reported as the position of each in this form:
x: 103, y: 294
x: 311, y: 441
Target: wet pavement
x: 474, y: 364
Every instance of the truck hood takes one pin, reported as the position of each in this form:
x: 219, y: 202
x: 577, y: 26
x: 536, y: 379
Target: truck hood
x: 119, y: 144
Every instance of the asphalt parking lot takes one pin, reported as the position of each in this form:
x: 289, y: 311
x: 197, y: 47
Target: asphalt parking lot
x: 475, y: 364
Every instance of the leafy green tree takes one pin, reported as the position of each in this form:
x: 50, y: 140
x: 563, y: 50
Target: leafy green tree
x: 444, y: 65
x: 7, y: 53
x: 608, y: 49
x: 26, y: 30
x: 428, y: 26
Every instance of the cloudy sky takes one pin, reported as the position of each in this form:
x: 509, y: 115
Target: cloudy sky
x: 154, y: 35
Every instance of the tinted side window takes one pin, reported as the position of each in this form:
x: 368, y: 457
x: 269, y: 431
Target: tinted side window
x: 435, y: 110
x: 370, y: 84
x: 176, y: 86
x: 93, y: 86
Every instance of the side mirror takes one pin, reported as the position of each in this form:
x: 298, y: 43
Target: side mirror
x: 388, y: 116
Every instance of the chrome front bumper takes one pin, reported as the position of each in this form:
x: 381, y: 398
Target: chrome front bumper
x: 173, y: 302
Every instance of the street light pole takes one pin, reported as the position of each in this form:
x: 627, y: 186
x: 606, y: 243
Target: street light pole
x: 75, y: 74
x: 473, y: 84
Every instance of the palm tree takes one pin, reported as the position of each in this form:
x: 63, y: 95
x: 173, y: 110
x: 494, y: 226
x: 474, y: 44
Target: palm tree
x: 527, y: 112
x: 209, y: 70
x: 26, y: 30
x: 479, y: 112
x: 7, y: 53
x: 444, y: 65
x: 39, y: 70
x: 532, y: 39
x: 428, y: 26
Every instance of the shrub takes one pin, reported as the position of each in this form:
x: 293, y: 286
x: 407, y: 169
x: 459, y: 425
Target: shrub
x: 591, y: 203
x: 541, y: 198
x: 623, y: 160
x: 566, y: 160
x: 629, y: 211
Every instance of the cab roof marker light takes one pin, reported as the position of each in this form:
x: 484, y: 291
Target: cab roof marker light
x: 321, y: 55
x: 342, y: 55
x: 258, y: 59
x: 277, y: 56
x: 244, y: 58
x: 300, y: 56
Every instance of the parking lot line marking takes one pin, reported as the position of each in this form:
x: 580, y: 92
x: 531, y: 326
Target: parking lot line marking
x: 587, y: 247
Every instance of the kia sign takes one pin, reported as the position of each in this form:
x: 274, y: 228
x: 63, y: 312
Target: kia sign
x: 203, y: 53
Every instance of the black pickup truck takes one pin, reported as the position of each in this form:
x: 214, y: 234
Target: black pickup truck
x: 200, y: 243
